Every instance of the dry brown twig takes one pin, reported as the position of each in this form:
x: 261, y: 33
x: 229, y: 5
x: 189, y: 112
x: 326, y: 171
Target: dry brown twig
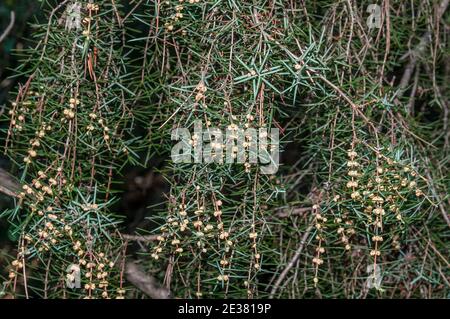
x: 283, y: 213
x: 291, y: 263
x: 418, y: 51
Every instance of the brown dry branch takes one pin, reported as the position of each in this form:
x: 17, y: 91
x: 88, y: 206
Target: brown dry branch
x: 147, y: 284
x: 283, y: 213
x: 143, y: 238
x: 418, y: 51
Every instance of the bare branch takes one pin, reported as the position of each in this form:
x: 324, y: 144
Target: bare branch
x: 293, y: 212
x: 291, y: 262
x: 8, y: 184
x: 144, y: 238
x: 147, y: 284
x: 9, y: 27
x: 417, y: 52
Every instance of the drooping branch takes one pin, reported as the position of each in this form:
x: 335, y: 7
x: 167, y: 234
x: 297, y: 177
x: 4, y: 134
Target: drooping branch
x: 9, y: 27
